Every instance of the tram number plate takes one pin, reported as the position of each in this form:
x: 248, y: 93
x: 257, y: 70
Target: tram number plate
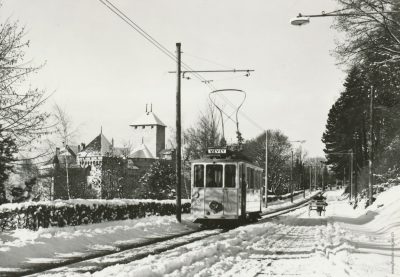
x: 217, y: 151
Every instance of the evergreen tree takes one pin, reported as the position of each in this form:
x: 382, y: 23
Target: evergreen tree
x: 7, y: 150
x: 158, y: 182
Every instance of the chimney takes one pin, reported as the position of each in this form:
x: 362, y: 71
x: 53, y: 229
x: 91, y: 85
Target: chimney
x: 57, y: 151
x: 146, y: 108
x: 83, y: 146
x: 151, y: 107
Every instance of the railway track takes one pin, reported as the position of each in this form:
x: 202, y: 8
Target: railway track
x: 99, y: 260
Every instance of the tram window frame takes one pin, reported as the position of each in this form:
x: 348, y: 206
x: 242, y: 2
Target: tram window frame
x: 231, y: 179
x: 250, y: 178
x: 255, y: 179
x: 197, y: 182
x: 217, y: 183
x: 258, y: 178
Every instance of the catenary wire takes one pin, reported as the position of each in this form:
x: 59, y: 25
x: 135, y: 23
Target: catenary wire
x: 163, y: 49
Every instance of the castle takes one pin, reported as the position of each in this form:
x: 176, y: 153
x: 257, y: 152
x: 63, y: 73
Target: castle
x: 101, y: 170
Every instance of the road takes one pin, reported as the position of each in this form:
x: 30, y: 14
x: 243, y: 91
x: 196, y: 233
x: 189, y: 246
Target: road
x: 342, y: 243
x: 294, y: 244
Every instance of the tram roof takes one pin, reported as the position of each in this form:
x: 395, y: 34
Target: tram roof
x: 221, y: 160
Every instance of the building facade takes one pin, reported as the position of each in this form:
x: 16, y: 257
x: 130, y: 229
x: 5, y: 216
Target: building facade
x: 101, y: 170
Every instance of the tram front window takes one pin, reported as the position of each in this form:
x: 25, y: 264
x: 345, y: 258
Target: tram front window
x: 214, y: 176
x: 199, y: 176
x: 230, y: 176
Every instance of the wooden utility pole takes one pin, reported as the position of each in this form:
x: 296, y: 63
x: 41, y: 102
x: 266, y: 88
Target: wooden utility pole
x: 315, y: 175
x: 310, y: 177
x: 351, y: 173
x: 344, y: 177
x: 370, y: 178
x: 291, y: 180
x: 178, y: 133
x: 266, y: 168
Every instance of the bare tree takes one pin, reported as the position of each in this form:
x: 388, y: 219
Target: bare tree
x: 65, y: 132
x: 372, y: 27
x: 204, y: 134
x: 127, y: 148
x: 20, y: 114
x: 279, y: 149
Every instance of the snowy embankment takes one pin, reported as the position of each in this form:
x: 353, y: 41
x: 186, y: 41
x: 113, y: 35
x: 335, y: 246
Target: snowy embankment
x: 24, y: 249
x: 344, y: 242
x: 33, y: 215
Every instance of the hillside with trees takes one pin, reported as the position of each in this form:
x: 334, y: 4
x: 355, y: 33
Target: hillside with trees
x: 365, y: 118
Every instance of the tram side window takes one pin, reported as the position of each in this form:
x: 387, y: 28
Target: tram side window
x: 250, y: 178
x: 214, y: 176
x: 258, y: 180
x: 199, y: 175
x: 230, y: 176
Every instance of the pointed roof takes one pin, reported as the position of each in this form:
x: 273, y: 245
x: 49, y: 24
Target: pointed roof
x: 99, y: 144
x: 148, y: 119
x: 141, y: 152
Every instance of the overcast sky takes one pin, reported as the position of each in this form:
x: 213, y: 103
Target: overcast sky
x: 103, y: 73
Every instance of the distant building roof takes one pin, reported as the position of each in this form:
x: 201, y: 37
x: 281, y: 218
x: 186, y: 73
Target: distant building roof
x: 63, y: 155
x: 99, y: 144
x: 141, y: 152
x: 74, y: 149
x: 148, y: 119
x: 120, y: 151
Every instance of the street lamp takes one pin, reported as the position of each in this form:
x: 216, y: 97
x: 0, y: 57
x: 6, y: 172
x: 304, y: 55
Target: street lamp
x: 305, y: 19
x: 301, y: 19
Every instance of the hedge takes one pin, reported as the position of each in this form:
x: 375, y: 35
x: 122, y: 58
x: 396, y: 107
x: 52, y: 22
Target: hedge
x: 33, y: 215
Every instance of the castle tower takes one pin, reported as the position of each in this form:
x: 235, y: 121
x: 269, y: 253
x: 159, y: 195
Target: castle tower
x: 148, y: 133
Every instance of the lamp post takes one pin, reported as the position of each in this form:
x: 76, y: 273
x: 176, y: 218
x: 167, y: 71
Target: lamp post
x: 266, y: 168
x: 305, y: 19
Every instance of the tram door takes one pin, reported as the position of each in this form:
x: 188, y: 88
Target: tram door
x: 230, y: 191
x: 197, y: 206
x: 213, y: 192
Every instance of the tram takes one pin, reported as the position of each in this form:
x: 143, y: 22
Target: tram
x: 226, y: 188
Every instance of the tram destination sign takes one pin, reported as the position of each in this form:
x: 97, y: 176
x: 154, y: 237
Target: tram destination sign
x: 216, y: 150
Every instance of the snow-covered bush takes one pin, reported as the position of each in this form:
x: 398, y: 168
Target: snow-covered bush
x: 32, y: 215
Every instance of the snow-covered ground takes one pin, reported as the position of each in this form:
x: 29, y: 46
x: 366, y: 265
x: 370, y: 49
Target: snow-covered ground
x: 24, y: 249
x: 344, y: 242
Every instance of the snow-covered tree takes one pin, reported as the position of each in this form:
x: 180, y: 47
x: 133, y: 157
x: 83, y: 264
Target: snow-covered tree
x: 158, y: 182
x: 7, y: 150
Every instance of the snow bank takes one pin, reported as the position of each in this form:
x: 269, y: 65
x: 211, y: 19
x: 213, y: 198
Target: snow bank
x: 33, y: 215
x: 87, y: 202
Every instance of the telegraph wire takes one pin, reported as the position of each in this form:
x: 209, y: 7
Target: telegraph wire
x: 158, y: 45
x: 169, y: 54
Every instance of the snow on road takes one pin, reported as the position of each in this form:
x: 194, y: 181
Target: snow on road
x: 26, y: 249
x: 344, y: 242
x: 23, y: 248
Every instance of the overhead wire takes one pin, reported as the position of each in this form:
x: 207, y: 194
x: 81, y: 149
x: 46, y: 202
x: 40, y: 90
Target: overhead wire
x: 171, y: 55
x: 154, y: 42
